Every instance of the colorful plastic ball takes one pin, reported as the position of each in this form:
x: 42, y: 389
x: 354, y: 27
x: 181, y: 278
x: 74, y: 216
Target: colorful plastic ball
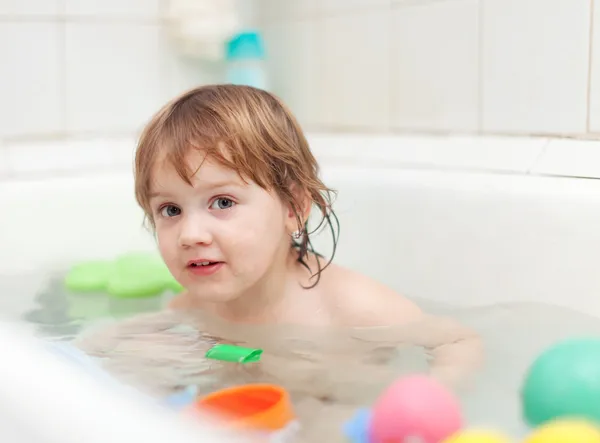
x: 565, y: 431
x: 415, y: 407
x: 477, y: 436
x: 564, y: 381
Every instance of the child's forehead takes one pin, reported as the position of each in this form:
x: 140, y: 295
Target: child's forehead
x: 205, y: 173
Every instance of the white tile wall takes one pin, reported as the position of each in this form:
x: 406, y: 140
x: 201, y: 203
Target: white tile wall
x: 113, y: 79
x: 535, y: 65
x: 435, y: 73
x: 293, y: 60
x: 30, y: 7
x: 355, y: 70
x: 500, y: 66
x: 113, y: 8
x: 594, y: 93
x: 30, y: 78
x: 336, y: 6
x: 277, y: 10
x: 88, y: 66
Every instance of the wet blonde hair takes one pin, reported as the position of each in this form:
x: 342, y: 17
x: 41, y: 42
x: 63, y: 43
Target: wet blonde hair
x: 247, y: 130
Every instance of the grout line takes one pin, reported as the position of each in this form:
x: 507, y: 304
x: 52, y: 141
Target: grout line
x: 480, y: 69
x: 590, y: 70
x: 393, y: 70
x: 320, y: 101
x: 63, y: 76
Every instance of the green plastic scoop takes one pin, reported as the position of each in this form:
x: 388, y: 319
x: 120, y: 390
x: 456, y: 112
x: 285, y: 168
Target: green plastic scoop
x: 131, y: 275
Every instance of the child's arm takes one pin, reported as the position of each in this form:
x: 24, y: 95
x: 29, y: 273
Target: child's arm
x: 456, y: 350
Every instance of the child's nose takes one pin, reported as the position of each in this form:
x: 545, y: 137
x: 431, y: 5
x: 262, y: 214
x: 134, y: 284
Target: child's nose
x: 194, y: 232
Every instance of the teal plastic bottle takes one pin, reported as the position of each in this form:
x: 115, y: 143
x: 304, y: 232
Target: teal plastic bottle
x: 246, y: 60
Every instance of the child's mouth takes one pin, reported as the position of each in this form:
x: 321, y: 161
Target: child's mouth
x: 204, y: 263
x: 204, y: 267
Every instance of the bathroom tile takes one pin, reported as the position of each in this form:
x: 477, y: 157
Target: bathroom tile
x: 573, y: 158
x: 249, y: 12
x: 30, y: 7
x: 535, y: 66
x: 293, y: 55
x: 278, y: 10
x: 355, y: 71
x: 113, y: 8
x: 337, y: 6
x: 435, y: 66
x: 31, y: 78
x: 594, y: 116
x: 113, y: 76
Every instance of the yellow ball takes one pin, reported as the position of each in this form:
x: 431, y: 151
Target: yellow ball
x: 565, y: 431
x: 477, y: 436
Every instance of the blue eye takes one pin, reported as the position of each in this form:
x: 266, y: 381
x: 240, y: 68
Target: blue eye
x: 222, y: 203
x: 170, y: 211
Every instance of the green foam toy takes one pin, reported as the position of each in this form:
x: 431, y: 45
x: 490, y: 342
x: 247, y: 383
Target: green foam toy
x: 131, y: 275
x: 89, y: 276
x: 564, y: 381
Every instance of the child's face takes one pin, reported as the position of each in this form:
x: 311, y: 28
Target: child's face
x: 241, y: 229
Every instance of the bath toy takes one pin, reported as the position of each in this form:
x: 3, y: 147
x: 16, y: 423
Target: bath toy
x: 128, y: 276
x: 565, y: 431
x: 138, y: 275
x: 234, y: 353
x: 413, y: 407
x: 416, y: 406
x: 477, y: 436
x: 89, y: 276
x: 264, y: 408
x: 564, y: 381
x: 357, y: 428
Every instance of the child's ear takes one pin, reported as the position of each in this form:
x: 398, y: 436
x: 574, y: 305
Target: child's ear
x: 301, y: 209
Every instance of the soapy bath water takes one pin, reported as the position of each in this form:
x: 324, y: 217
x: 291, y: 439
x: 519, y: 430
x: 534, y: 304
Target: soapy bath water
x: 329, y: 372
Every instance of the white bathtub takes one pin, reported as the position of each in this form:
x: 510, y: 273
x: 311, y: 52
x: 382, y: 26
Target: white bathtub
x: 458, y: 221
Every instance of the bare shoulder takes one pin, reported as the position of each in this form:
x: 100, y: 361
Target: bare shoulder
x: 357, y: 300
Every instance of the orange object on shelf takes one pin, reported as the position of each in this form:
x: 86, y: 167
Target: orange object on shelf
x: 255, y: 406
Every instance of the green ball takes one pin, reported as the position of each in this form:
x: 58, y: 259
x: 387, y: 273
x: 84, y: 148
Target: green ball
x: 564, y: 381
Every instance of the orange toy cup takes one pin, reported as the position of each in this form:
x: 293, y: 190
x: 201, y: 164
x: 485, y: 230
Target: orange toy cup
x: 260, y: 407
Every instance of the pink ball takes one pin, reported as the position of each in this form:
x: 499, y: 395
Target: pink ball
x: 416, y: 406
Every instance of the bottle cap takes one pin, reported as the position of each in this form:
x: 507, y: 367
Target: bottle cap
x: 234, y: 353
x: 245, y: 45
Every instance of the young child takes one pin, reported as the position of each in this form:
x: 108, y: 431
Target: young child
x: 227, y: 181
